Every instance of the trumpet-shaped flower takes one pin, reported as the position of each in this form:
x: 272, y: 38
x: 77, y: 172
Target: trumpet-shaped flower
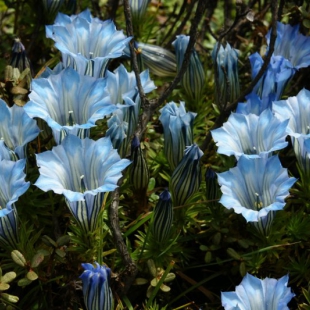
x: 87, y: 43
x: 159, y: 60
x: 297, y: 110
x: 292, y: 45
x: 138, y: 8
x: 251, y: 135
x: 227, y: 79
x: 123, y: 84
x: 13, y: 185
x: 96, y: 287
x: 163, y: 217
x: 178, y: 131
x: 272, y: 84
x: 16, y: 128
x: 253, y: 105
x: 186, y: 178
x: 69, y: 102
x: 257, y: 294
x: 255, y: 187
x: 193, y: 80
x: 81, y: 170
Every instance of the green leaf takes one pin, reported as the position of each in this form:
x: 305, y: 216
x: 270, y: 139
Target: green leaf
x: 231, y: 252
x: 8, y: 277
x: 63, y: 240
x: 49, y: 242
x: 18, y: 258
x: 60, y: 253
x: 37, y: 260
x: 4, y: 286
x: 23, y: 282
x: 31, y: 275
x: 10, y: 298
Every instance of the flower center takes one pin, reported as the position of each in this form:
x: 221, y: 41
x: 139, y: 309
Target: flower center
x: 82, y: 185
x: 70, y: 120
x: 258, y: 203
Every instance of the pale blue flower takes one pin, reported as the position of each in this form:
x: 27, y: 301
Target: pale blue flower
x: 160, y: 61
x: 274, y: 80
x: 257, y: 294
x: 297, y: 110
x: 302, y: 152
x: 13, y: 185
x: 52, y: 6
x: 254, y: 104
x: 19, y: 58
x: 292, y: 45
x: 81, y: 170
x: 138, y: 8
x: 227, y: 79
x: 251, y: 135
x: 163, y: 217
x: 255, y: 187
x: 87, y: 43
x: 178, y: 131
x: 96, y: 287
x: 69, y: 102
x: 16, y: 128
x: 193, y: 80
x: 186, y: 177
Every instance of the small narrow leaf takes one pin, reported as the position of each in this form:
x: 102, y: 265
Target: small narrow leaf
x: 31, y: 275
x: 8, y: 277
x: 37, y: 260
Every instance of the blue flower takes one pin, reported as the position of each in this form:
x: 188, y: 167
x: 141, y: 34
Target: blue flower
x: 163, y: 217
x: 227, y: 79
x: 122, y: 84
x: 274, y: 80
x: 69, y: 102
x: 257, y: 294
x: 255, y: 187
x: 193, y: 80
x: 297, y: 110
x: 160, y: 61
x: 19, y: 58
x: 178, y: 131
x: 13, y: 185
x: 16, y: 128
x: 87, y: 43
x: 81, y: 170
x: 52, y: 6
x: 186, y: 177
x: 253, y: 105
x: 251, y: 135
x: 138, y: 8
x: 292, y: 45
x: 96, y: 287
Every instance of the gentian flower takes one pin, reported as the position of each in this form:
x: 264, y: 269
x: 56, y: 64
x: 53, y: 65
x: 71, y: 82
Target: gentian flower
x: 16, y: 129
x: 274, y: 80
x: 227, y: 79
x: 302, y: 153
x: 257, y: 294
x: 52, y: 6
x: 292, y: 45
x: 193, y: 80
x: 139, y: 172
x: 297, y: 110
x: 121, y: 85
x: 81, y: 170
x: 251, y: 135
x: 178, y: 131
x: 87, y: 43
x: 163, y: 217
x: 96, y: 287
x: 255, y: 187
x: 186, y: 178
x: 253, y: 105
x: 69, y: 102
x: 19, y: 58
x: 13, y: 185
x: 160, y: 61
x: 118, y: 128
x: 138, y: 8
